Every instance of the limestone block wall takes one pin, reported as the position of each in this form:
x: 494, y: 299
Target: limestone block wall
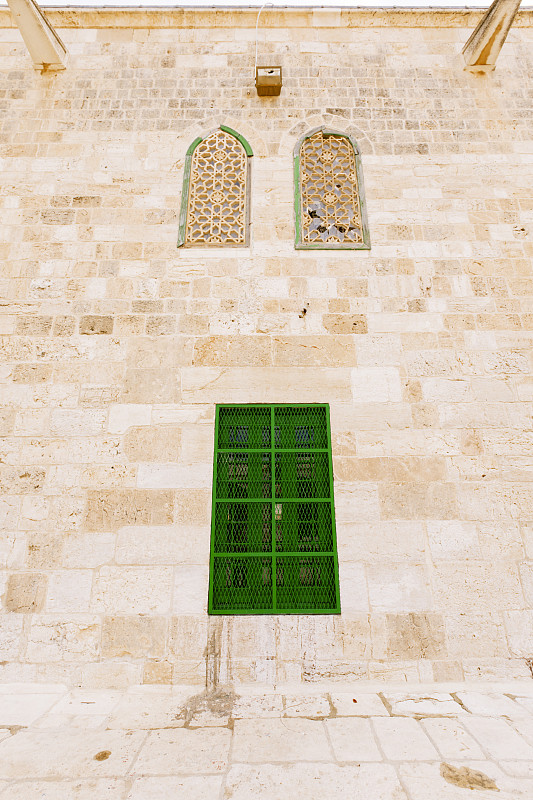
x: 116, y: 346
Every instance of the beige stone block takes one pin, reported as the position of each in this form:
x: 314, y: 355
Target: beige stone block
x: 398, y: 587
x: 228, y: 351
x: 125, y: 415
x: 418, y: 500
x: 128, y: 590
x: 21, y: 480
x: 473, y: 586
x: 146, y: 386
x: 353, y: 589
x: 31, y: 373
x: 356, y: 502
x: 193, y: 506
x: 413, y: 636
x: 376, y: 385
x: 44, y: 550
x: 404, y: 469
x: 25, y: 592
x: 77, y: 422
x: 157, y: 672
x: 519, y: 627
x: 188, y: 639
x: 453, y: 539
x: 344, y: 323
x: 110, y: 675
x: 10, y: 636
x: 134, y: 637
x: 174, y: 476
x: 109, y: 510
x: 383, y: 539
x: 150, y: 443
x: 379, y: 350
x: 190, y: 589
x: 69, y: 591
x: 262, y: 385
x: 96, y: 325
x: 62, y: 637
x: 163, y: 544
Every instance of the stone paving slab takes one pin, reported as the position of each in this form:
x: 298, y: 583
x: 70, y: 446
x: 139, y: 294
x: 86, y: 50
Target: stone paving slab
x: 175, y: 743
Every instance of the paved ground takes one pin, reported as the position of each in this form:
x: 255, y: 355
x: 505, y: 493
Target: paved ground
x: 372, y: 743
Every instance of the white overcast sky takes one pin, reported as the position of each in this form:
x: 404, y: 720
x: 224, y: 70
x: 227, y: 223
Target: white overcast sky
x: 295, y: 3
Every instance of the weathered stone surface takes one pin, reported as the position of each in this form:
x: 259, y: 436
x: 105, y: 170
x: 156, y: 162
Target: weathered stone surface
x: 133, y: 636
x: 148, y: 443
x: 26, y: 592
x: 108, y: 510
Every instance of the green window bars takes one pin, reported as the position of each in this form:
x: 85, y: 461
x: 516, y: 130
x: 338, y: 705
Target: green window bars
x: 273, y: 547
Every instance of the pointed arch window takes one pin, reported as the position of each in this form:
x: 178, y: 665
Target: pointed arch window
x: 216, y: 191
x: 329, y: 193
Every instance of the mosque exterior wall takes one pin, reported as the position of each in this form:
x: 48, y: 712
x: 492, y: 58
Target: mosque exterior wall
x: 116, y: 345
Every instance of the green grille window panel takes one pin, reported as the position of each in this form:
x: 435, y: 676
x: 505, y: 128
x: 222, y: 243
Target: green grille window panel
x: 273, y: 546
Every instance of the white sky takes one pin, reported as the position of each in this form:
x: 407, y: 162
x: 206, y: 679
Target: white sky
x: 279, y: 3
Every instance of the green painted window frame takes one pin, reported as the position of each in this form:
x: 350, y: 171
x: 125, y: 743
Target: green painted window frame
x: 298, y: 211
x: 264, y: 523
x: 182, y: 225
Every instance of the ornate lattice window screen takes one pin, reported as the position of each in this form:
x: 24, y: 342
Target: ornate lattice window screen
x: 329, y: 207
x: 273, y: 548
x: 217, y: 199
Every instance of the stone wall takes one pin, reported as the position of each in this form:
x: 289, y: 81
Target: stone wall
x: 116, y: 345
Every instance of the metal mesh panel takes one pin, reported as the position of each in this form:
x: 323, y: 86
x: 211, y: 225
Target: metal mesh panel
x: 242, y: 584
x: 305, y: 583
x: 242, y: 528
x: 273, y: 512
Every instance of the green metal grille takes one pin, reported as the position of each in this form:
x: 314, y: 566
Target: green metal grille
x: 273, y: 547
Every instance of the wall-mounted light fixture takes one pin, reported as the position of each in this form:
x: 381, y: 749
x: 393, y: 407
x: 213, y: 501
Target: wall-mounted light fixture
x: 267, y: 79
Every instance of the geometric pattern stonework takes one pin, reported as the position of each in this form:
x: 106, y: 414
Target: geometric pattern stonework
x: 273, y: 548
x: 216, y: 211
x: 331, y: 208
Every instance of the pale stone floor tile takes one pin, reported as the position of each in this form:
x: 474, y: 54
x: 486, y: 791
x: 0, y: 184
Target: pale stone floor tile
x: 298, y: 706
x: 498, y: 738
x: 99, y: 789
x: 520, y: 769
x: 182, y: 751
x: 68, y: 753
x: 451, y: 739
x: 205, y: 787
x: 425, y: 705
x: 365, y: 705
x: 403, y: 739
x: 24, y: 709
x: 288, y: 739
x: 81, y: 702
x: 352, y: 739
x: 254, y: 706
x: 485, y: 704
x: 146, y: 711
x: 424, y: 781
x: 313, y: 782
x: 90, y: 721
